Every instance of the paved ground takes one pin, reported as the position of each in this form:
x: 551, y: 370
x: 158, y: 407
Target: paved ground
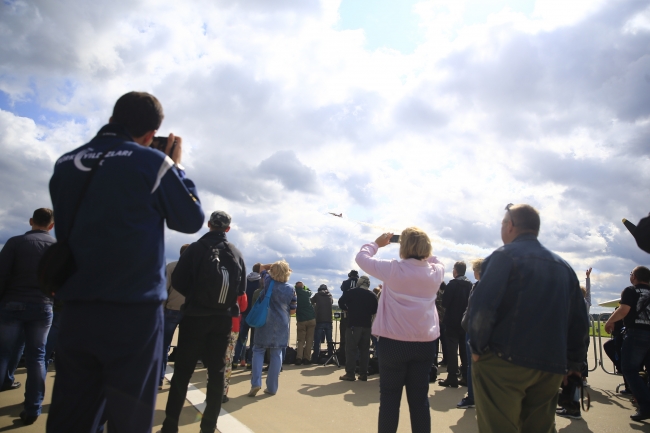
x: 312, y: 399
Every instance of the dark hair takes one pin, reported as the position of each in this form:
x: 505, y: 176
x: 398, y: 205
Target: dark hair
x: 353, y: 274
x: 138, y: 112
x: 43, y: 217
x: 256, y: 267
x: 526, y: 218
x: 642, y: 274
x: 460, y: 268
x: 183, y: 248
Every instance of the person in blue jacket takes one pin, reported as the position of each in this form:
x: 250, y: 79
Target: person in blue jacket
x: 109, y: 353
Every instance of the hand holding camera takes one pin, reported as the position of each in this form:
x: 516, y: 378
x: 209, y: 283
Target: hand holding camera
x: 387, y: 238
x: 171, y: 146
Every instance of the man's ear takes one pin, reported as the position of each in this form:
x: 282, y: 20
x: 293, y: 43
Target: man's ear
x: 50, y: 227
x: 31, y: 221
x: 209, y: 225
x: 227, y: 230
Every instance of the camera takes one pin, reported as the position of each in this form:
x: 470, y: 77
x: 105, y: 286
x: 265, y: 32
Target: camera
x: 160, y: 143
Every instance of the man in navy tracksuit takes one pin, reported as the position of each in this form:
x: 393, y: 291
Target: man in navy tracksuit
x: 109, y: 353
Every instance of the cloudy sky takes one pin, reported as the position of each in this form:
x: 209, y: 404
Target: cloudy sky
x: 432, y: 113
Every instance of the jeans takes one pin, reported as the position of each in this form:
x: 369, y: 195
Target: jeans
x: 205, y: 337
x: 470, y: 387
x: 34, y: 319
x: 305, y: 331
x: 357, y: 346
x: 107, y: 367
x: 326, y: 329
x: 12, y: 365
x: 52, y: 337
x: 635, y: 350
x: 404, y: 363
x: 275, y: 364
x: 172, y: 319
x: 240, y: 348
x: 456, y: 342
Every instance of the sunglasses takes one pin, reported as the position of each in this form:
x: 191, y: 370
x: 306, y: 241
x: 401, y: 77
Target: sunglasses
x: 508, y: 206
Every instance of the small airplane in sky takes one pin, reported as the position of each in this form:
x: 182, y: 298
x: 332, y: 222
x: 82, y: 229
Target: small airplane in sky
x: 340, y: 215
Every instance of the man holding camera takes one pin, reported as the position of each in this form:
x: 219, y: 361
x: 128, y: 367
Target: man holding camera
x: 109, y: 354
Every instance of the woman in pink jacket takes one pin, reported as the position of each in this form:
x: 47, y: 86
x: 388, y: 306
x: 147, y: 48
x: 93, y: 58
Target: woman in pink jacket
x: 406, y: 324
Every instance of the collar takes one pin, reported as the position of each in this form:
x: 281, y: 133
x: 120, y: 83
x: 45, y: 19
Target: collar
x: 114, y: 130
x: 462, y: 278
x: 642, y: 285
x: 525, y: 237
x: 37, y: 231
x: 215, y: 235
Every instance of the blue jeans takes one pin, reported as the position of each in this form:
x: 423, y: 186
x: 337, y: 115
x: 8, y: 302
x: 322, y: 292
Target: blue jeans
x: 240, y: 347
x: 470, y: 387
x: 52, y: 337
x: 172, y: 319
x: 322, y: 328
x: 275, y: 364
x: 18, y: 350
x: 404, y: 364
x: 635, y: 350
x: 35, y: 320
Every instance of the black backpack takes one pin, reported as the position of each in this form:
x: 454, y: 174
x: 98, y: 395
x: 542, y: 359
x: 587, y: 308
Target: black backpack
x: 218, y: 277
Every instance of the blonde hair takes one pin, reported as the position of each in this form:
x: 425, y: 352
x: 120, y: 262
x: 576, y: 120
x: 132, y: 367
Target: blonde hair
x: 476, y: 265
x: 415, y: 244
x: 280, y: 271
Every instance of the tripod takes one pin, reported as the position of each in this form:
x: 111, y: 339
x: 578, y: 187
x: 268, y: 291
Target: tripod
x: 333, y: 356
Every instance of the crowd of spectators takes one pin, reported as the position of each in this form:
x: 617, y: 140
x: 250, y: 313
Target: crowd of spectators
x: 515, y: 337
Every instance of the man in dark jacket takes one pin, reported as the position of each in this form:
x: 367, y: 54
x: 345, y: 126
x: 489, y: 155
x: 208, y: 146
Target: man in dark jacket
x: 204, y: 331
x: 350, y: 283
x: 109, y: 352
x: 361, y: 304
x: 527, y: 327
x: 323, y: 301
x: 454, y: 302
x: 24, y: 308
x: 253, y: 282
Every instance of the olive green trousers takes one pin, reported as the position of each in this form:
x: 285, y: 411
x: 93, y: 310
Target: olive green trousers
x: 513, y: 399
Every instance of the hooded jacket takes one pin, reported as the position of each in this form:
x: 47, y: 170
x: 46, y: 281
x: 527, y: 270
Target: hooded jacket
x: 323, y: 306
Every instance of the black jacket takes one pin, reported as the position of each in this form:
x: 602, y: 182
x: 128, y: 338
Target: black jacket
x: 323, y: 306
x: 348, y: 284
x: 360, y: 304
x: 455, y: 301
x: 186, y: 269
x: 19, y: 266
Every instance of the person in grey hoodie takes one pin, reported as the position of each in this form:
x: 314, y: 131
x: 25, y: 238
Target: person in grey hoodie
x: 322, y: 301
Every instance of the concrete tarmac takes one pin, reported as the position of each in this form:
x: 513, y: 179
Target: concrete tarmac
x: 312, y: 399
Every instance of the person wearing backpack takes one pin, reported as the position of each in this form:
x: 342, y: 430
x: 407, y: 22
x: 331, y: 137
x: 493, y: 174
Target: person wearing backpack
x: 635, y: 311
x: 211, y: 274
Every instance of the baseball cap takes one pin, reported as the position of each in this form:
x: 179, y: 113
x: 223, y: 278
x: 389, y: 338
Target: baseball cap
x: 220, y: 219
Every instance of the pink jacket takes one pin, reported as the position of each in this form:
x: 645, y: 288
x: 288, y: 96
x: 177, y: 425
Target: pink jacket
x: 407, y: 306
